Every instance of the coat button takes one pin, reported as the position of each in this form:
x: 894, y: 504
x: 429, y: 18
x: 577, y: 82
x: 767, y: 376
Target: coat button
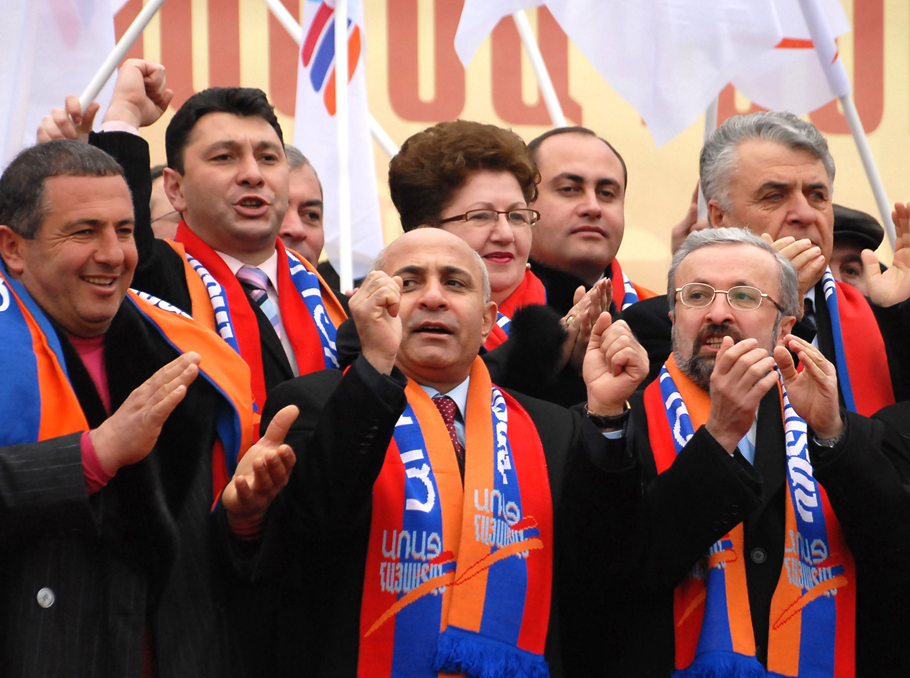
x: 758, y: 556
x: 45, y: 597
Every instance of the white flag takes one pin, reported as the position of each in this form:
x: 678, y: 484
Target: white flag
x: 792, y: 76
x: 315, y: 130
x: 667, y: 58
x: 48, y: 48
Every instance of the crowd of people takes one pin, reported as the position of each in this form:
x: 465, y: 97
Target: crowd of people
x: 498, y: 457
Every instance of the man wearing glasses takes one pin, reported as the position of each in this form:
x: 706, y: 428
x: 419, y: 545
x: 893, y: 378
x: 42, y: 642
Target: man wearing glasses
x: 761, y: 541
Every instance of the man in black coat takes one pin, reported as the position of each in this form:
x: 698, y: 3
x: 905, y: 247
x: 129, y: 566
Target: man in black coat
x: 107, y: 442
x: 735, y: 495
x: 422, y: 315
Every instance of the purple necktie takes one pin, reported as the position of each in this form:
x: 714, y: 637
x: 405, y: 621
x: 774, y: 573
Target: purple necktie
x: 257, y: 283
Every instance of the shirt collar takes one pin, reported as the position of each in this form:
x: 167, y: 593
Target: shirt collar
x: 269, y: 266
x: 459, y: 394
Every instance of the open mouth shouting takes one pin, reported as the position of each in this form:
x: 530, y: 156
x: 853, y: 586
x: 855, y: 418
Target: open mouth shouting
x: 251, y: 206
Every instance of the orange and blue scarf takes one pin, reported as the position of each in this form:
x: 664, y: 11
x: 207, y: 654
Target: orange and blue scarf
x: 859, y: 350
x: 814, y: 604
x: 458, y: 578
x: 309, y: 311
x: 45, y: 406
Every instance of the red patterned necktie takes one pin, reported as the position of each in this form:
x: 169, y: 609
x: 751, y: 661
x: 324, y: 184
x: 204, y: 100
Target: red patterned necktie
x: 447, y: 409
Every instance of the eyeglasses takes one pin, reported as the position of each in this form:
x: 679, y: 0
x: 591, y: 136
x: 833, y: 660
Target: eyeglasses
x: 740, y: 297
x: 486, y: 218
x: 166, y: 215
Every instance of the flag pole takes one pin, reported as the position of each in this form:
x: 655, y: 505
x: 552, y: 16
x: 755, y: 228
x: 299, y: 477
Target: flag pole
x: 827, y: 51
x: 540, y: 68
x: 346, y: 274
x: 114, y: 58
x: 286, y: 19
x: 710, y: 126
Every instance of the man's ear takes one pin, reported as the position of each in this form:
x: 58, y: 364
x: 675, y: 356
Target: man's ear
x: 784, y: 328
x: 716, y: 216
x: 173, y: 188
x: 11, y: 249
x: 489, y: 318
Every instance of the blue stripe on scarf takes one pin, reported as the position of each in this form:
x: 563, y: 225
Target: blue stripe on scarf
x: 417, y: 625
x: 307, y: 283
x: 223, y: 324
x: 504, y: 322
x: 227, y: 421
x: 507, y: 580
x: 19, y: 424
x: 840, y: 358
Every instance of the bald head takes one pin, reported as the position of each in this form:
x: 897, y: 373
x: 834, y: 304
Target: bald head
x: 422, y: 237
x: 445, y: 311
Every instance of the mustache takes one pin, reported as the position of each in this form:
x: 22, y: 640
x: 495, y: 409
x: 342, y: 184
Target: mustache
x: 717, y: 331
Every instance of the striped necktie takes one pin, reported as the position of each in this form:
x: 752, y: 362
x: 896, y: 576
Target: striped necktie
x: 256, y: 282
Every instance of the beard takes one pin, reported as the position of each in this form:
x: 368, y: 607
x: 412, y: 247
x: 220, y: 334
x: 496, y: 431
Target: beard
x: 698, y: 367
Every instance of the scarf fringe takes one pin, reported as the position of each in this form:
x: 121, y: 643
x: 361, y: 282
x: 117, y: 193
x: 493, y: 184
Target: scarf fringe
x: 468, y: 653
x: 722, y: 665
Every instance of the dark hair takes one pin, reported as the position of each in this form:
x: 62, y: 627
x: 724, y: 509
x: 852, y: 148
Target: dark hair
x: 22, y: 203
x: 535, y: 143
x: 241, y: 101
x: 157, y: 171
x: 435, y: 163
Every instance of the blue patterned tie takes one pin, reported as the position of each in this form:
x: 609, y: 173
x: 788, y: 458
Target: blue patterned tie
x: 257, y: 283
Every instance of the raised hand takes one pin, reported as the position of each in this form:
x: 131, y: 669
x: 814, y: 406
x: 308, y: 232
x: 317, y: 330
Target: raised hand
x: 262, y: 472
x: 140, y: 95
x: 131, y: 432
x: 743, y: 374
x: 68, y: 122
x: 892, y: 286
x: 615, y: 364
x: 580, y: 319
x: 689, y: 224
x: 374, y: 308
x: 807, y: 258
x: 813, y: 391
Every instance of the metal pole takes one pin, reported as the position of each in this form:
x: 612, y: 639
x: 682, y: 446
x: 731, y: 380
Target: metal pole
x: 346, y: 274
x: 114, y: 58
x: 826, y: 48
x: 710, y: 126
x: 540, y: 69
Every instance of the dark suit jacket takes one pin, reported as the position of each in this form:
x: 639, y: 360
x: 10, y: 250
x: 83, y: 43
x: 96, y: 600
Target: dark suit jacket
x: 318, y: 528
x: 650, y: 322
x: 627, y: 578
x: 138, y: 552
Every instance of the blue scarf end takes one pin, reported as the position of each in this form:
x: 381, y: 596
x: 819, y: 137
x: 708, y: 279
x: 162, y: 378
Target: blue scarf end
x: 468, y: 653
x: 722, y: 665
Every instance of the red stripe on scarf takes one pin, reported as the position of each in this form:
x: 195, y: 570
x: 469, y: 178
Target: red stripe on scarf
x: 534, y: 486
x: 619, y: 285
x: 530, y: 291
x: 864, y: 350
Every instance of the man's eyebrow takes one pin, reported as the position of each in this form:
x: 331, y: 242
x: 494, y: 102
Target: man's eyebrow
x: 313, y: 203
x: 412, y: 269
x: 221, y: 144
x: 457, y: 270
x: 776, y: 185
x: 818, y: 185
x: 267, y: 145
x: 95, y: 223
x: 576, y: 178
